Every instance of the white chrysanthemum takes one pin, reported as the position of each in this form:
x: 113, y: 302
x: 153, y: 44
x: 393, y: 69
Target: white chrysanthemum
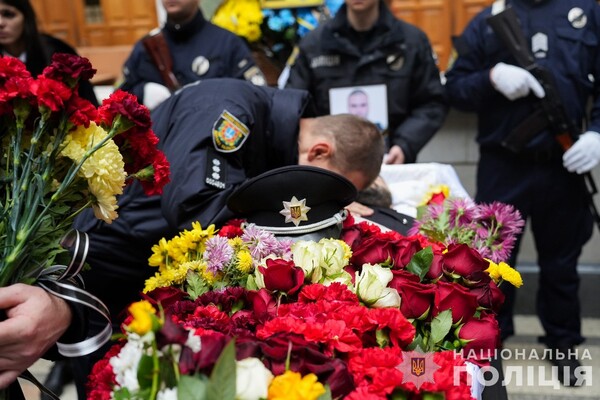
x: 167, y: 394
x: 125, y: 365
x: 193, y: 342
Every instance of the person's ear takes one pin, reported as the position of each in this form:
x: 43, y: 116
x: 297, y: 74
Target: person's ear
x: 319, y: 152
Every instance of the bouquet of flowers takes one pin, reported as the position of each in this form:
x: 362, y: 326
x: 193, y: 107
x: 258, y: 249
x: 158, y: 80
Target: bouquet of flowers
x: 61, y: 155
x: 489, y: 228
x: 273, y: 31
x: 240, y: 314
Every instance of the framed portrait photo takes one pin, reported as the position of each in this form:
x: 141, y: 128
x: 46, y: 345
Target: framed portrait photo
x: 369, y: 102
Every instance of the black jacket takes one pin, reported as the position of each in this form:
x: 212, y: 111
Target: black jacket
x: 393, y: 53
x: 203, y: 175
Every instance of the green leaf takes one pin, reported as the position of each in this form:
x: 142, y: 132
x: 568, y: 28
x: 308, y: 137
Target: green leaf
x: 223, y: 378
x: 440, y: 326
x: 145, y: 370
x: 192, y: 387
x: 196, y: 286
x: 421, y: 262
x: 433, y: 396
x: 326, y: 395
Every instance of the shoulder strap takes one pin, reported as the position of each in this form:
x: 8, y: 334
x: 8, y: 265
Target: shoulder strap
x: 156, y: 46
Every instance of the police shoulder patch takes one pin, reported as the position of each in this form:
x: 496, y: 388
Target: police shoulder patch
x: 229, y: 133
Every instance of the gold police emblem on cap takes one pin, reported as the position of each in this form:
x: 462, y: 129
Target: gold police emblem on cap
x: 295, y: 210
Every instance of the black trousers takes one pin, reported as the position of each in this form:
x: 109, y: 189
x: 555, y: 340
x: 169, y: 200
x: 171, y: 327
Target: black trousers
x: 554, y: 201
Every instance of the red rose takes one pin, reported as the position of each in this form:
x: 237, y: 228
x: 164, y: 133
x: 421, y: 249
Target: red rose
x: 417, y: 298
x: 456, y: 298
x: 462, y: 260
x: 480, y: 336
x: 435, y: 270
x: 384, y: 248
x: 489, y: 296
x: 282, y: 276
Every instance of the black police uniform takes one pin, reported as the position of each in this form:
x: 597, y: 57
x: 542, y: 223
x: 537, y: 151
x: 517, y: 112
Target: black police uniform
x: 216, y: 134
x: 564, y: 37
x: 393, y: 53
x: 199, y: 50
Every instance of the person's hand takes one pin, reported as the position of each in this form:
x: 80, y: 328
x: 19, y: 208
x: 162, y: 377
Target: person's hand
x: 154, y: 94
x: 584, y: 154
x: 35, y: 320
x: 394, y: 156
x: 359, y: 209
x: 515, y: 82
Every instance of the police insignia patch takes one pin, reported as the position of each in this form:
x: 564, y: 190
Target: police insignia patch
x: 229, y: 133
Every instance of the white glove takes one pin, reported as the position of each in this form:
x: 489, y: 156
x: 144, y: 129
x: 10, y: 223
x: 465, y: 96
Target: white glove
x: 154, y: 94
x: 515, y: 82
x: 584, y: 154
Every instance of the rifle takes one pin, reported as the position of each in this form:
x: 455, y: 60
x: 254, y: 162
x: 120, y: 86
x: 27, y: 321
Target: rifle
x: 156, y: 46
x: 550, y: 114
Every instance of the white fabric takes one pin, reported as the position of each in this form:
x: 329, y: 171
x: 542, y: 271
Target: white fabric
x: 515, y: 82
x: 584, y: 154
x: 476, y: 386
x: 154, y: 94
x: 410, y: 183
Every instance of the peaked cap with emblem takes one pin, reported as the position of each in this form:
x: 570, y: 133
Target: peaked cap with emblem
x: 293, y: 200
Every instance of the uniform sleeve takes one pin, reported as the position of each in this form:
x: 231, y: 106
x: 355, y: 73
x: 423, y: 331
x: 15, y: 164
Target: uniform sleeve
x: 132, y: 81
x: 191, y: 153
x: 428, y: 106
x: 468, y: 86
x: 595, y: 109
x: 242, y: 64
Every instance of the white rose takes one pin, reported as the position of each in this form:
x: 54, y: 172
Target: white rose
x: 371, y: 287
x: 307, y: 255
x: 335, y: 255
x: 344, y: 278
x: 252, y: 379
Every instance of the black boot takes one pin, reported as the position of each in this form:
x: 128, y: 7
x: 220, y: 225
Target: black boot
x: 60, y: 375
x: 568, y: 367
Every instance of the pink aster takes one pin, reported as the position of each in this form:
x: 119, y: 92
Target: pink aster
x: 218, y: 253
x: 260, y: 243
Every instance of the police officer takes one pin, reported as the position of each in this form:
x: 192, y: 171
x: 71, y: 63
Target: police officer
x: 542, y: 182
x: 197, y: 49
x: 216, y: 134
x: 364, y: 45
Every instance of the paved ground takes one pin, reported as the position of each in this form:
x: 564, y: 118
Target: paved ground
x: 533, y: 386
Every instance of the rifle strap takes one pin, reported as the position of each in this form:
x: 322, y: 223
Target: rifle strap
x: 156, y: 46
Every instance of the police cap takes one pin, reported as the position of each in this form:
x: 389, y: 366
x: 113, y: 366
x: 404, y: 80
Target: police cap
x: 293, y: 200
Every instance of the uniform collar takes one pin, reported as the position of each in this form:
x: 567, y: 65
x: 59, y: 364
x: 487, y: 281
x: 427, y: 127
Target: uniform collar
x: 180, y: 32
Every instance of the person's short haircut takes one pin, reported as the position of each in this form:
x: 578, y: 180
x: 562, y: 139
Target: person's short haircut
x: 358, y: 143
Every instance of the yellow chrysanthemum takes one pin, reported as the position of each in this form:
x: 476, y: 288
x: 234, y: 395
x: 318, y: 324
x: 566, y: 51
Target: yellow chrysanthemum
x: 493, y: 271
x: 244, y: 261
x: 292, y: 386
x: 142, y: 313
x: 160, y: 251
x: 208, y: 276
x: 104, y: 169
x: 242, y: 17
x: 510, y: 274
